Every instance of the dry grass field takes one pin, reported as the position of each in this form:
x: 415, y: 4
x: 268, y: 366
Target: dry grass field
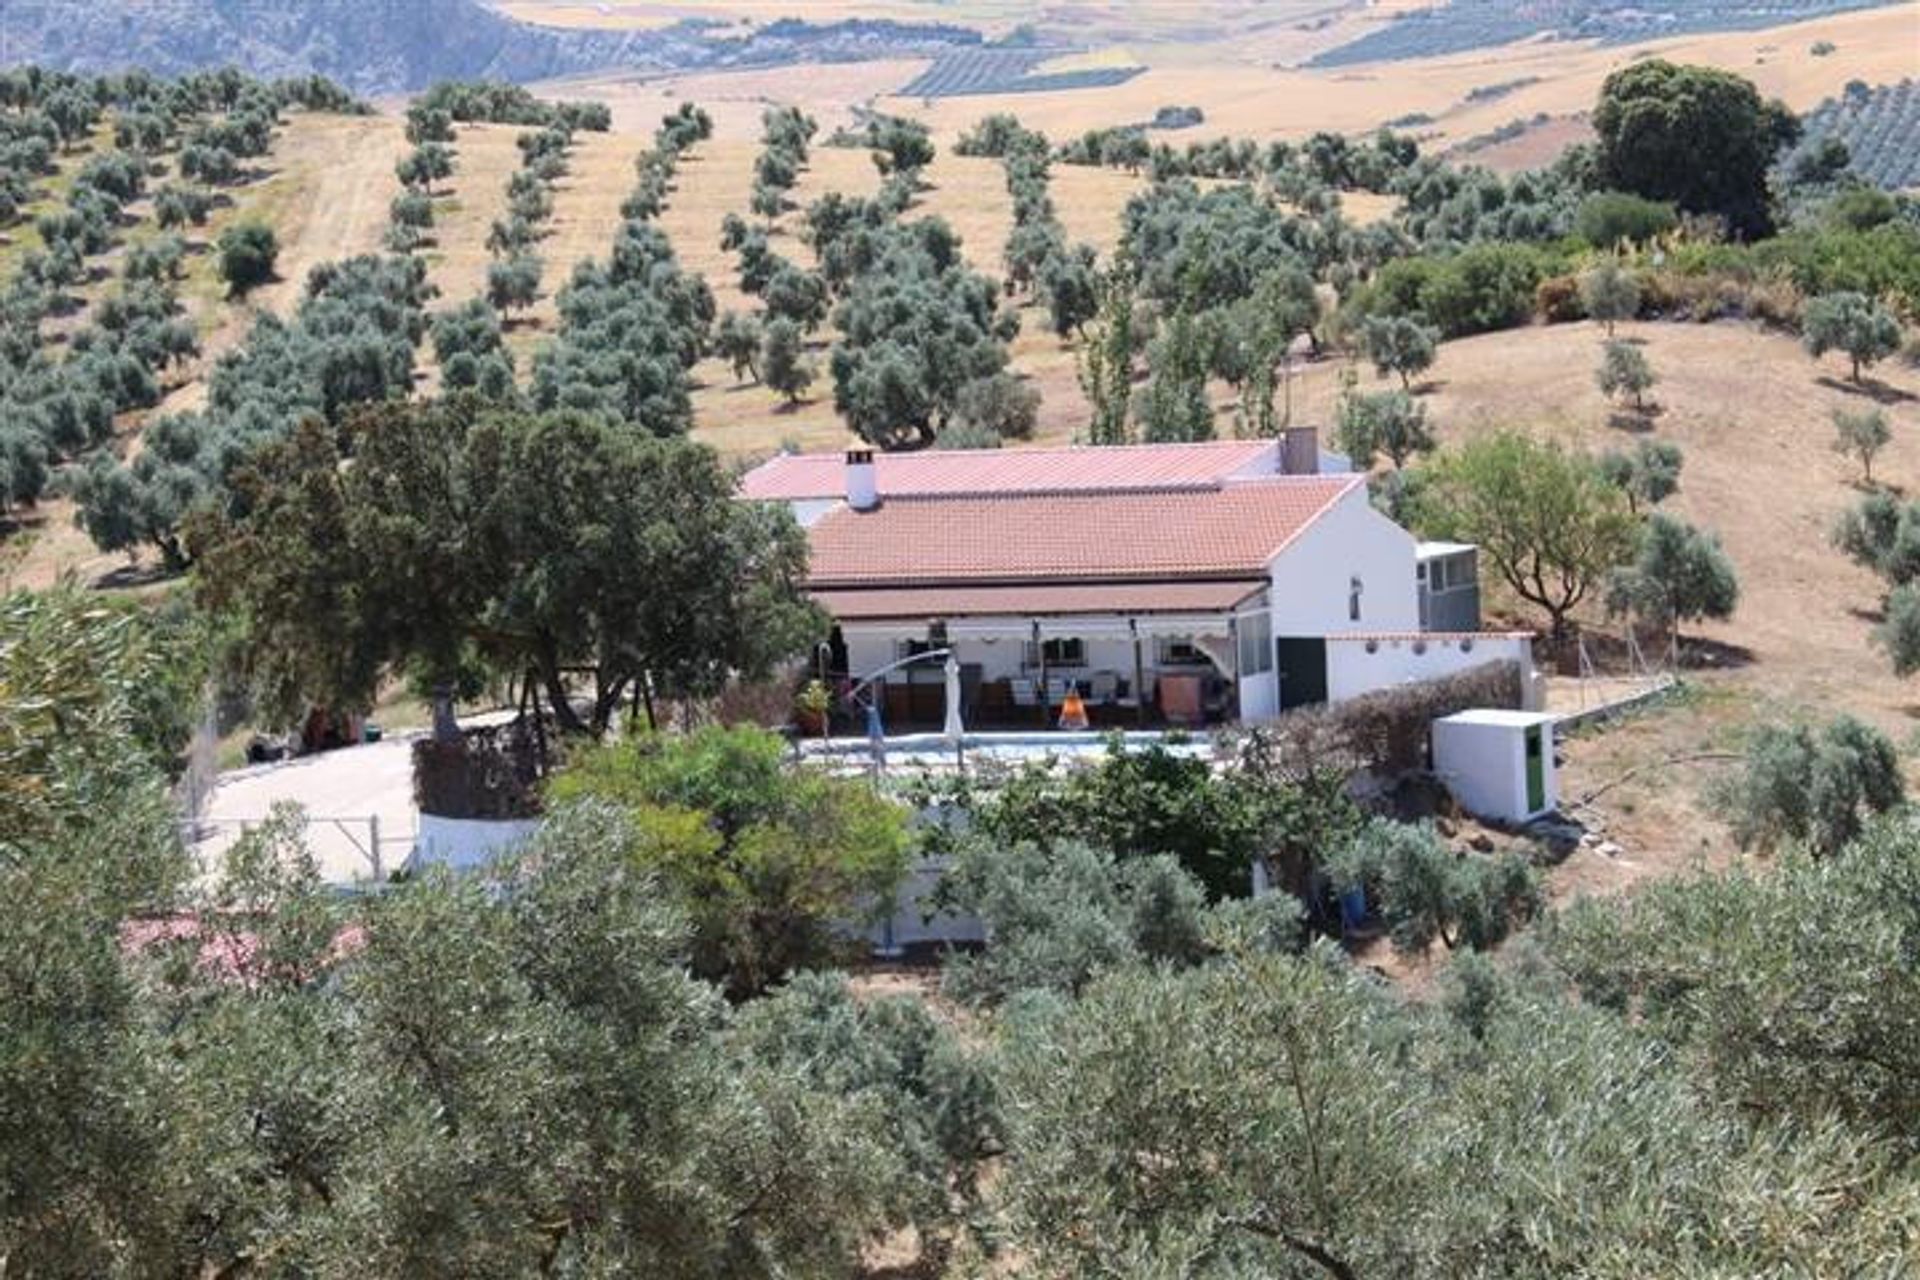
x: 324, y: 188
x: 1244, y: 94
x: 1753, y: 414
x: 472, y: 198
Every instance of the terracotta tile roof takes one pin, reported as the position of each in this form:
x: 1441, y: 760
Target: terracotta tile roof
x: 1038, y: 599
x: 796, y: 476
x: 1233, y: 531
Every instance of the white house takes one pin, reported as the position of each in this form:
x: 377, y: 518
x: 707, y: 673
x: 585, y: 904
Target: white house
x: 1182, y: 584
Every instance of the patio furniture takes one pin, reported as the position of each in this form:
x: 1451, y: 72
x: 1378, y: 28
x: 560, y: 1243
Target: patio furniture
x: 1025, y: 694
x: 1103, y: 688
x: 1058, y: 687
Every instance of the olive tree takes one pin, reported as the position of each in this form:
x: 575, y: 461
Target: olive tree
x: 1625, y: 370
x: 1816, y: 788
x: 1648, y: 474
x: 1400, y: 345
x: 736, y: 339
x: 1681, y: 574
x: 1852, y: 323
x: 783, y: 363
x: 1389, y: 422
x: 247, y: 251
x: 1610, y: 293
x: 1862, y: 434
x: 514, y: 285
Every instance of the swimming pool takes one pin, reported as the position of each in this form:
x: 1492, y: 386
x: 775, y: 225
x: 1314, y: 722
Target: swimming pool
x: 932, y: 749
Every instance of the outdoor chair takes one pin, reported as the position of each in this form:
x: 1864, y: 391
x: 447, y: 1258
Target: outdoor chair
x: 1103, y: 688
x: 1025, y: 694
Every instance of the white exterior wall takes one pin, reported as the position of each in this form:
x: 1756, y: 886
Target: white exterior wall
x: 807, y: 511
x: 1260, y: 696
x: 1484, y: 764
x: 1311, y: 577
x: 464, y: 843
x: 1352, y: 671
x: 909, y: 924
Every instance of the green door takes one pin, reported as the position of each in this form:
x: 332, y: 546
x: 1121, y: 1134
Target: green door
x: 1301, y: 663
x: 1536, y: 772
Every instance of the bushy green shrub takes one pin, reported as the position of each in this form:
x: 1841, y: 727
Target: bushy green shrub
x: 1607, y: 218
x: 1136, y: 803
x: 1814, y: 789
x: 1424, y: 891
x: 771, y: 861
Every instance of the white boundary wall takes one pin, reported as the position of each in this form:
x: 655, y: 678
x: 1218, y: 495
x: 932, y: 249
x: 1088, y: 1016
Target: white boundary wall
x: 1362, y: 664
x: 465, y: 843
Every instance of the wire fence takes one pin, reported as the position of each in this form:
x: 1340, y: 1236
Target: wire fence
x: 371, y: 849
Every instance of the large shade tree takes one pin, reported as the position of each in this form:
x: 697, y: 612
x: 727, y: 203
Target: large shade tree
x: 549, y: 544
x: 1657, y: 121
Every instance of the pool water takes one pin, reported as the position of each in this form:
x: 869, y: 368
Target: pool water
x: 916, y: 749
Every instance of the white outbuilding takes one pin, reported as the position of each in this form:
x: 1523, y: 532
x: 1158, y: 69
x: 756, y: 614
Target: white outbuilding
x: 1498, y: 764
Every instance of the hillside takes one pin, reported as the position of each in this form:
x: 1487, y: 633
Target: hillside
x: 388, y: 46
x: 1459, y: 26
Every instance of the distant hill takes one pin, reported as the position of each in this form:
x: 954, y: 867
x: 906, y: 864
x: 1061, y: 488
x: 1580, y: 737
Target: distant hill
x: 388, y: 46
x: 1460, y: 25
x: 1880, y: 125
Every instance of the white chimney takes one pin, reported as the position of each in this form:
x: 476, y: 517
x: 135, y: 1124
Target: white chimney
x: 863, y: 488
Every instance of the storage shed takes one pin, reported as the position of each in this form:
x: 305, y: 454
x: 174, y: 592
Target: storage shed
x: 1498, y: 764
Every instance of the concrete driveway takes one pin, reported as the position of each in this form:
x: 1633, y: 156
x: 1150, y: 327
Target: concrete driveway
x: 358, y: 801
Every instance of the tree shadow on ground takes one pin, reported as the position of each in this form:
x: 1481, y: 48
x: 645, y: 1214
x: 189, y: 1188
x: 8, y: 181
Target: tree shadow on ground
x: 1699, y: 654
x: 1872, y: 388
x: 1635, y: 421
x: 1428, y: 387
x: 1867, y: 488
x: 1865, y: 613
x: 132, y: 575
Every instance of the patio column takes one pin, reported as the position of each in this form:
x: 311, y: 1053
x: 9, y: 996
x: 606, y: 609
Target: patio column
x: 1233, y: 644
x: 1139, y: 674
x: 1040, y: 651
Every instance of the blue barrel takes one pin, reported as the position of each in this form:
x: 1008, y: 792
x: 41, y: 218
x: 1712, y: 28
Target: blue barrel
x: 1353, y: 907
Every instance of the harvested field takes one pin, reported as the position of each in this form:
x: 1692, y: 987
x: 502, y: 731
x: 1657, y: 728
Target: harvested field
x: 1535, y: 148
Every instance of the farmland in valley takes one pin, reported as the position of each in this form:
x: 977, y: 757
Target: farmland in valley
x: 1880, y: 126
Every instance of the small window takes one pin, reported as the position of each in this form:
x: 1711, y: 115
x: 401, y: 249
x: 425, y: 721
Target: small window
x: 1069, y: 651
x: 1437, y: 575
x: 914, y: 648
x: 1256, y: 644
x: 1354, y: 589
x: 1181, y: 652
